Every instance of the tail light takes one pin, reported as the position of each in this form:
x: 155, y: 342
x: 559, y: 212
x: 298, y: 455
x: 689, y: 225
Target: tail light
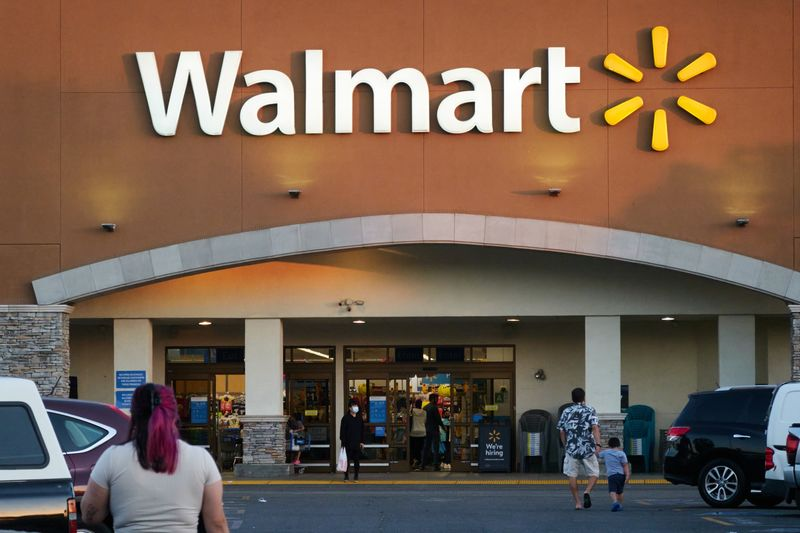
x: 72, y: 515
x: 676, y: 432
x: 791, y: 448
x: 769, y: 463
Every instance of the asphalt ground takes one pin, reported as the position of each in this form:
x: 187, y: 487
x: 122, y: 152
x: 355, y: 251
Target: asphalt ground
x: 375, y: 505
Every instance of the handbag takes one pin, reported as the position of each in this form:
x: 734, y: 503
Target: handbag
x: 341, y: 465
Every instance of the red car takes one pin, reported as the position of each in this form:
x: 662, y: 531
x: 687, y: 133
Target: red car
x: 84, y: 430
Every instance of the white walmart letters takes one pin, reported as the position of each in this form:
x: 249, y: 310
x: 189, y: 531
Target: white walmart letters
x: 212, y: 119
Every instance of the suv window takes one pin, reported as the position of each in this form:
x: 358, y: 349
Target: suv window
x: 20, y: 447
x: 75, y: 435
x: 747, y: 406
x: 755, y: 412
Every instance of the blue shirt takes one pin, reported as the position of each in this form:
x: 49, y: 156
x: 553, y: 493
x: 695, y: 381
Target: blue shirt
x: 614, y: 460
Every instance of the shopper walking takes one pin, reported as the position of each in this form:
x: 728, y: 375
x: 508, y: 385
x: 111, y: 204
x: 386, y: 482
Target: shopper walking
x: 417, y: 433
x: 433, y: 421
x: 618, y: 471
x: 155, y: 481
x: 580, y: 436
x: 351, y: 436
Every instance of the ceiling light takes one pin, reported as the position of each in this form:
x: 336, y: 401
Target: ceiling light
x: 204, y: 323
x: 667, y: 318
x: 294, y: 194
x: 512, y: 319
x: 313, y: 352
x: 553, y: 191
x: 359, y: 321
x: 742, y: 221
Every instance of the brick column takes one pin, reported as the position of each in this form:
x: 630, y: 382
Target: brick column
x: 611, y: 425
x: 795, y: 311
x: 264, y: 443
x: 34, y: 344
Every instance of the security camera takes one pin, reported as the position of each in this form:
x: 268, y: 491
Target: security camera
x: 294, y: 194
x: 108, y: 226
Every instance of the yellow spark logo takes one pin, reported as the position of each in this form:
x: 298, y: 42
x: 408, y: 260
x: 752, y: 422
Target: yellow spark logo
x: 494, y: 436
x: 702, y: 112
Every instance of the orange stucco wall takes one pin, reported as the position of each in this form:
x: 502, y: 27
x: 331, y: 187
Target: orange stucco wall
x: 77, y: 147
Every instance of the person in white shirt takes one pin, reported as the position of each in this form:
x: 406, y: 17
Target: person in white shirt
x: 155, y: 481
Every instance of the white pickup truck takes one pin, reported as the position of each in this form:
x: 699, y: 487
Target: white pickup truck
x: 792, y: 472
x: 783, y: 413
x: 36, y: 491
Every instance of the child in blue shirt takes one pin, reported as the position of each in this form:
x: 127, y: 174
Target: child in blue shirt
x: 618, y: 470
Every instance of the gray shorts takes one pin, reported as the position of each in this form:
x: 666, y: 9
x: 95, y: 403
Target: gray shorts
x: 589, y: 465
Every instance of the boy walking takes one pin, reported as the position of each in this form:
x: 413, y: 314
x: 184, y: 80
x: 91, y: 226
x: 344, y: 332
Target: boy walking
x: 618, y: 470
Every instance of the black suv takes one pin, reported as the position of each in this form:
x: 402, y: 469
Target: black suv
x: 718, y: 443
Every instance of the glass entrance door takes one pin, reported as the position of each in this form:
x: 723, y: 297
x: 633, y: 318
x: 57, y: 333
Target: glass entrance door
x: 197, y: 411
x: 398, y: 406
x: 309, y: 400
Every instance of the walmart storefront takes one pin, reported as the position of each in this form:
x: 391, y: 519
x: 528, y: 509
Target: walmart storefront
x: 275, y: 207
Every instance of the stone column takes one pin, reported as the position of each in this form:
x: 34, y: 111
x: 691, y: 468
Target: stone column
x: 737, y: 350
x: 264, y: 425
x: 795, y: 311
x: 603, y: 378
x: 34, y: 344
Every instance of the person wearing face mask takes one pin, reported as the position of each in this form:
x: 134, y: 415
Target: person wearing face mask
x: 351, y: 435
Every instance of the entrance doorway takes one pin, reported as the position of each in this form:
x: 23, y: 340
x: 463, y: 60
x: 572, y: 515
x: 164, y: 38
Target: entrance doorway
x: 466, y: 400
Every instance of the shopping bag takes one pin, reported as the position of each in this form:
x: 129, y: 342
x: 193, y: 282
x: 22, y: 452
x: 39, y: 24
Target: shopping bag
x: 341, y: 465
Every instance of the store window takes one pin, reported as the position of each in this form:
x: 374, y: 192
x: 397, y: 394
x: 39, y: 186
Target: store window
x: 423, y: 354
x: 309, y: 354
x: 233, y: 354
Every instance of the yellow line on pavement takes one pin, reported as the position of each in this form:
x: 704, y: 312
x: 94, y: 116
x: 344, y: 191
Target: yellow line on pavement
x: 717, y: 521
x: 427, y: 482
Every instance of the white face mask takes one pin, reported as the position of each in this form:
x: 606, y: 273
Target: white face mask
x: 354, y: 409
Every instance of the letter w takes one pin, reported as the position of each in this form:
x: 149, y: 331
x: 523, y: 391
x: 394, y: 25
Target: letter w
x: 190, y: 66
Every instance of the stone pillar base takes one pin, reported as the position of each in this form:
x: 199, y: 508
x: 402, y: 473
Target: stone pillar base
x: 611, y: 425
x: 264, y: 447
x: 34, y: 344
x: 254, y: 471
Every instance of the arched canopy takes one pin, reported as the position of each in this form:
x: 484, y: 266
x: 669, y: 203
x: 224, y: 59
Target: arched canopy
x: 360, y: 232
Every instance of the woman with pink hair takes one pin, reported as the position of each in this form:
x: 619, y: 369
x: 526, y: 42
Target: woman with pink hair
x: 155, y: 481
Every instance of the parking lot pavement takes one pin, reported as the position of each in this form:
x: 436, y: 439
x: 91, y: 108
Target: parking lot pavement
x: 491, y: 508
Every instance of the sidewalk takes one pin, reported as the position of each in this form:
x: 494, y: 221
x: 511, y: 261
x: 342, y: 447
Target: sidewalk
x: 434, y: 478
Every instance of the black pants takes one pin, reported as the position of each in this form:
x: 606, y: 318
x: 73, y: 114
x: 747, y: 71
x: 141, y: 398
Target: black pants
x: 431, y: 446
x: 416, y: 448
x: 354, y: 455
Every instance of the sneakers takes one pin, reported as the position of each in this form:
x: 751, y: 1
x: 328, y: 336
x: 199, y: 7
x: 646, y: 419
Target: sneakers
x: 616, y: 507
x: 587, y: 500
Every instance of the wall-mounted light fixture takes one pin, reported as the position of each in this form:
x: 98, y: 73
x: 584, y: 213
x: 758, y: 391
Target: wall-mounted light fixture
x: 294, y: 194
x: 109, y: 227
x: 204, y: 323
x: 553, y: 191
x: 667, y: 318
x: 348, y: 304
x: 540, y: 375
x: 512, y: 320
x: 742, y: 221
x: 359, y: 321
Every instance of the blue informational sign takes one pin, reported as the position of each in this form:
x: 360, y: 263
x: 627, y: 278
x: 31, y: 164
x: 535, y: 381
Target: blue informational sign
x: 199, y: 410
x: 377, y: 409
x: 123, y: 399
x: 380, y: 431
x: 130, y: 379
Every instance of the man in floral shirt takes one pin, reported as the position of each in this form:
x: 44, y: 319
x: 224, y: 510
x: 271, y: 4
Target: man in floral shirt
x: 580, y: 436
